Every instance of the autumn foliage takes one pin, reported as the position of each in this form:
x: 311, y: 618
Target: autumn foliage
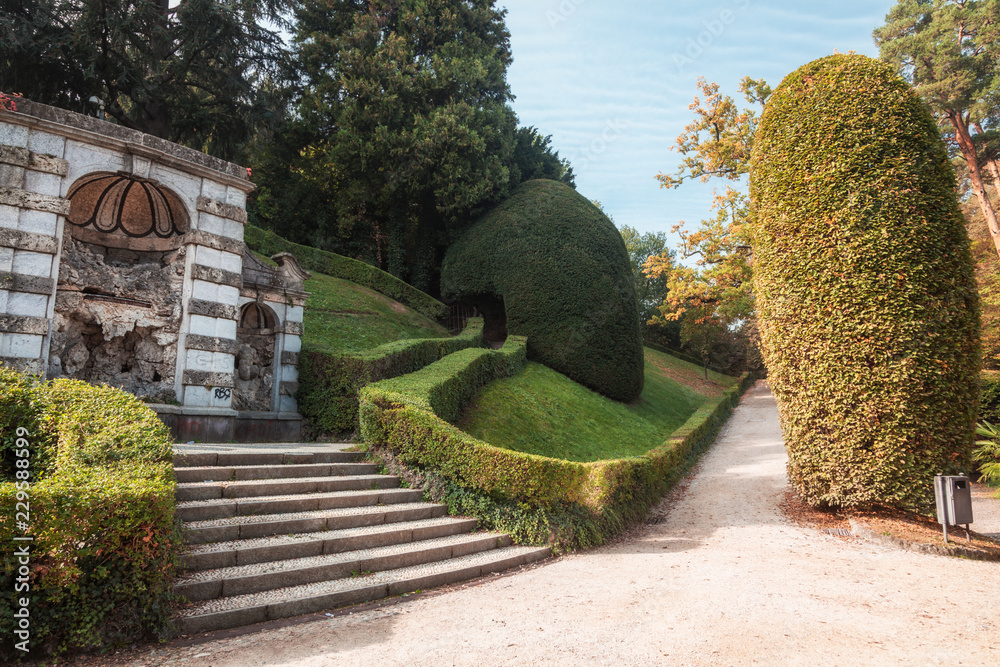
x: 8, y: 102
x: 710, y: 295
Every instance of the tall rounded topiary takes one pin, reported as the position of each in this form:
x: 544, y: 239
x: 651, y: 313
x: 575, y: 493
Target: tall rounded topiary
x: 561, y: 269
x: 868, y: 308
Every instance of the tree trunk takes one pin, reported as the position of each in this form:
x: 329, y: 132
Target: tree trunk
x: 961, y: 125
x: 991, y: 165
x: 994, y: 169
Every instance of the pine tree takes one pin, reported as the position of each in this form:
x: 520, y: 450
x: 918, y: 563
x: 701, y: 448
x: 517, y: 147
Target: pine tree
x: 403, y: 122
x: 948, y: 50
x: 534, y: 157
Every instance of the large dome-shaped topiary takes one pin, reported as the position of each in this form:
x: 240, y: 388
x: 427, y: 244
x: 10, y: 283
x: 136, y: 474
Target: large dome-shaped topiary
x: 562, y: 272
x: 864, y: 282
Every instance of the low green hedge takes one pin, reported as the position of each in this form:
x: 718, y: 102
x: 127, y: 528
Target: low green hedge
x: 101, y: 498
x: 19, y: 409
x: 564, y: 526
x: 409, y: 416
x: 268, y: 243
x: 329, y: 384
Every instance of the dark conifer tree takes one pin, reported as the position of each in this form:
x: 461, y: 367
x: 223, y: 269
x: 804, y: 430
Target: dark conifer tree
x: 191, y: 71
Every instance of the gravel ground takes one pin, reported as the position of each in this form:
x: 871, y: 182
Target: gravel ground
x: 722, y: 579
x: 986, y: 511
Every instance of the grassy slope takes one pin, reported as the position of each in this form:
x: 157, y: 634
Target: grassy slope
x: 543, y: 412
x: 539, y: 411
x: 341, y: 316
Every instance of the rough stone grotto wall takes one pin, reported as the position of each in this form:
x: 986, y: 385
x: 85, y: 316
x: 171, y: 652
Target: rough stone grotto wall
x: 117, y: 318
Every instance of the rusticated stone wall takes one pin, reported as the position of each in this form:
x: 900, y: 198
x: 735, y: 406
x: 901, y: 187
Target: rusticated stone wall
x: 122, y: 262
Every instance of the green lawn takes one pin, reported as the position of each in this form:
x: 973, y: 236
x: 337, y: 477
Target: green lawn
x: 540, y: 411
x: 341, y: 316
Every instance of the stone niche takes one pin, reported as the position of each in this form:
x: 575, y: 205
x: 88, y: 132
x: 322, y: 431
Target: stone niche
x: 122, y: 262
x: 121, y: 275
x: 256, y: 336
x: 268, y: 334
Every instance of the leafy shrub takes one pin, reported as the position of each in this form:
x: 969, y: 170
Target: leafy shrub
x: 563, y: 527
x: 20, y: 407
x: 329, y: 384
x: 562, y: 271
x: 864, y: 282
x: 268, y: 243
x: 989, y: 397
x: 540, y: 500
x: 987, y: 453
x: 101, y: 514
x: 100, y: 426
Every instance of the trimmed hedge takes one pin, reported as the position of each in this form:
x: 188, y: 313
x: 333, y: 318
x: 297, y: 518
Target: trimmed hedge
x: 445, y: 386
x: 563, y: 527
x: 407, y: 418
x: 329, y: 384
x: 268, y: 243
x: 101, y: 499
x: 19, y: 409
x: 865, y: 289
x: 561, y: 268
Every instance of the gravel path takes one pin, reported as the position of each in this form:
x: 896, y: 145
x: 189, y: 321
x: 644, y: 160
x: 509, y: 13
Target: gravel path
x: 723, y: 579
x: 986, y: 511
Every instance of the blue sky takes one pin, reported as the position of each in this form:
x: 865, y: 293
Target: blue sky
x: 611, y: 81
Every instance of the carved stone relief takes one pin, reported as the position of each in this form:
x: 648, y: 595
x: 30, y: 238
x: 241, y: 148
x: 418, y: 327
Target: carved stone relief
x: 121, y: 211
x: 256, y: 336
x: 117, y: 317
x: 118, y: 300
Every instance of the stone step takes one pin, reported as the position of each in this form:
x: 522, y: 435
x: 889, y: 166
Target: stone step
x: 282, y: 487
x: 246, y: 579
x: 248, y: 609
x: 251, y: 458
x: 264, y: 549
x: 286, y: 471
x: 251, y: 527
x: 220, y: 508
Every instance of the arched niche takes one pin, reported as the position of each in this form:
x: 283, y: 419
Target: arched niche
x: 117, y: 210
x: 118, y: 302
x: 256, y: 336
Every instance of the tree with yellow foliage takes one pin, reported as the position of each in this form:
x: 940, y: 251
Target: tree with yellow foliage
x: 713, y: 297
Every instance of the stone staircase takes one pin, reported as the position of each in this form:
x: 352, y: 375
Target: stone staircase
x: 273, y: 534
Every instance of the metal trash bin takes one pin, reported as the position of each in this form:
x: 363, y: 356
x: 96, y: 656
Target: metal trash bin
x: 953, y: 495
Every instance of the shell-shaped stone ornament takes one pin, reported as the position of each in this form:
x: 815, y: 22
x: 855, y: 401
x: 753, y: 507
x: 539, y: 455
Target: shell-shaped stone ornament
x: 119, y: 210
